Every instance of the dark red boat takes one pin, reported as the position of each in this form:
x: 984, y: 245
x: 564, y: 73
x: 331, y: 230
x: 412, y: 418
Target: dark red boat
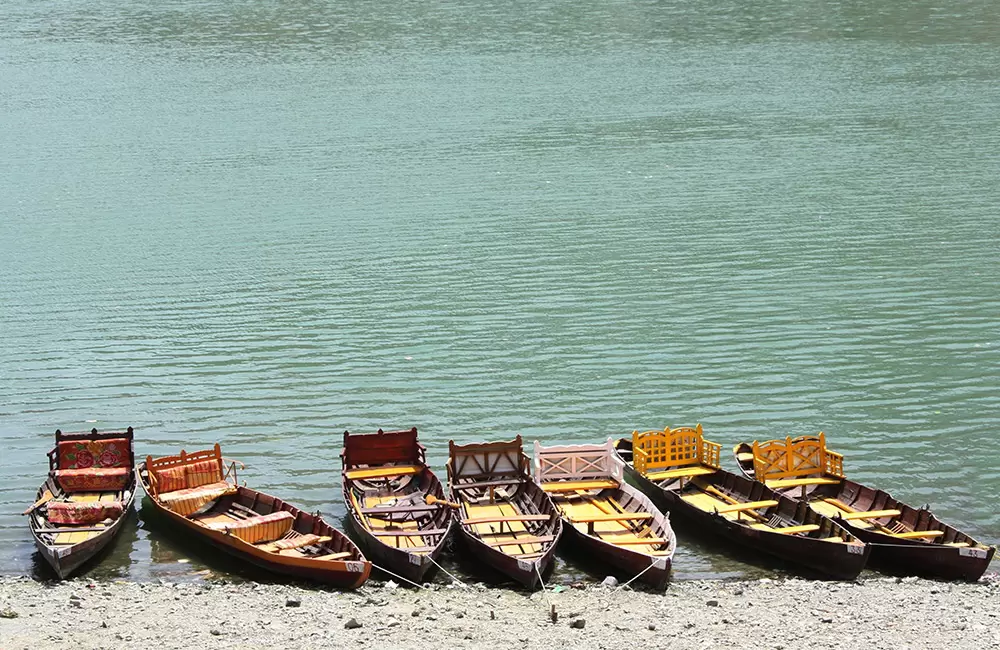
x: 905, y: 540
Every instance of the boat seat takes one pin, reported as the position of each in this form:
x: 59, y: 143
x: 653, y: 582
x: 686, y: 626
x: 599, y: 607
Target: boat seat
x: 681, y: 472
x: 777, y: 484
x: 190, y: 500
x: 396, y: 510
x: 91, y: 512
x: 521, y: 541
x: 635, y: 541
x: 343, y: 555
x: 794, y: 530
x: 93, y: 479
x: 919, y: 534
x: 294, y: 542
x: 513, y: 480
x: 750, y: 505
x: 382, y: 532
x: 382, y: 472
x: 504, y: 519
x: 958, y: 544
x: 625, y: 516
x: 262, y: 528
x: 870, y: 514
x: 572, y: 486
x: 745, y: 456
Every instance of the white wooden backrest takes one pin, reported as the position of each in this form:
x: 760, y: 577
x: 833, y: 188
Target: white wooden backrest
x: 576, y: 462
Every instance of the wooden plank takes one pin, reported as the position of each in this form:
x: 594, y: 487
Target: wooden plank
x: 335, y: 556
x: 751, y: 505
x: 521, y: 541
x: 571, y: 486
x: 798, y: 482
x: 382, y: 532
x: 792, y: 530
x: 631, y: 516
x: 395, y: 510
x: 513, y: 480
x: 635, y: 541
x: 503, y: 519
x: 917, y: 534
x: 870, y: 514
x: 382, y: 472
x: 680, y: 472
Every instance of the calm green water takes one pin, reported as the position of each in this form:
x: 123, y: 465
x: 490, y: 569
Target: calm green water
x: 264, y: 223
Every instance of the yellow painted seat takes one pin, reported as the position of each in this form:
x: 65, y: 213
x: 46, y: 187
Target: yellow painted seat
x: 572, y: 486
x: 681, y: 472
x: 382, y: 472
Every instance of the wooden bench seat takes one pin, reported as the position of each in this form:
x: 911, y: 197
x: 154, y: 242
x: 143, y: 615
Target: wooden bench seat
x: 396, y: 510
x: 382, y: 532
x: 504, y: 519
x: 572, y: 486
x: 680, y: 472
x: 870, y: 514
x: 521, y: 541
x: 382, y: 472
x: 752, y: 505
x: 513, y: 480
x: 635, y: 541
x: 800, y: 482
x: 343, y: 555
x: 792, y: 530
x: 625, y: 516
x: 918, y: 534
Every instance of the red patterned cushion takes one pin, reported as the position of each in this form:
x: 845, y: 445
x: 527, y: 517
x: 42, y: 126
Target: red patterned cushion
x: 94, y: 479
x: 170, y: 479
x: 202, y: 473
x: 81, y: 454
x: 92, y: 512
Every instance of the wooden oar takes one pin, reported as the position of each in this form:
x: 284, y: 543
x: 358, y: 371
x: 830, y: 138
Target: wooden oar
x: 46, y: 497
x: 430, y: 500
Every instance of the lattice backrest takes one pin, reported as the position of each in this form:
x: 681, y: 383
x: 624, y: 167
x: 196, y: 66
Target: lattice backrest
x: 487, y: 460
x: 795, y: 457
x: 680, y: 447
x: 382, y: 448
x: 576, y: 462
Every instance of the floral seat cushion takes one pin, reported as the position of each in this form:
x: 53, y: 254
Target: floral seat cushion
x: 262, y: 528
x: 93, y: 479
x: 61, y: 512
x: 190, y: 500
x: 84, y: 454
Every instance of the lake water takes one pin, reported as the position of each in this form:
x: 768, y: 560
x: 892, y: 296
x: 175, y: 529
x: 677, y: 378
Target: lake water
x: 265, y: 223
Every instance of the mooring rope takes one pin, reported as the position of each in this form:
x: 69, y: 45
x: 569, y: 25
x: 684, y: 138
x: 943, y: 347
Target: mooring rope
x: 464, y: 586
x: 636, y: 576
x: 396, y: 575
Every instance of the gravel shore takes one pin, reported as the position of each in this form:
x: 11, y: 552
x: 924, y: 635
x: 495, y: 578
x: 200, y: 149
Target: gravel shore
x: 786, y: 614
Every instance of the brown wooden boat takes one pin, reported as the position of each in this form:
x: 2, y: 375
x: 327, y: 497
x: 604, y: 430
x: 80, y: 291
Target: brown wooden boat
x: 609, y: 520
x: 506, y: 520
x: 198, y: 494
x: 905, y: 540
x: 386, y: 483
x: 680, y: 470
x: 86, y: 498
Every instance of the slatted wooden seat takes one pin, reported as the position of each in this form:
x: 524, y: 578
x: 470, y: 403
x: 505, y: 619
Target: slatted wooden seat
x: 382, y: 472
x: 573, y: 486
x: 626, y: 516
x: 680, y: 453
x: 919, y: 534
x: 521, y: 541
x: 750, y: 505
x: 870, y: 514
x: 778, y: 484
x: 388, y: 532
x: 797, y: 462
x: 681, y: 472
x: 793, y: 530
x: 504, y: 519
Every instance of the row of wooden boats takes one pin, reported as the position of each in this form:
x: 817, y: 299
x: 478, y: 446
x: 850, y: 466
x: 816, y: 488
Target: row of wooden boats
x: 611, y: 501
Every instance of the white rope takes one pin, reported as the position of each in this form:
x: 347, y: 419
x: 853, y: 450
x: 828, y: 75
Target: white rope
x: 464, y: 586
x: 636, y: 577
x: 384, y: 570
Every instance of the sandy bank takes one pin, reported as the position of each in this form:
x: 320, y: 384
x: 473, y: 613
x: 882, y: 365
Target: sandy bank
x: 876, y: 613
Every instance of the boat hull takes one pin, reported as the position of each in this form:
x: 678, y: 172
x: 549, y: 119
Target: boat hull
x: 627, y: 562
x: 528, y: 573
x: 415, y: 568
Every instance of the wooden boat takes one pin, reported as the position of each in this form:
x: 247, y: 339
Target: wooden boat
x: 904, y: 539
x: 680, y: 470
x: 86, y: 498
x: 608, y: 519
x: 386, y: 481
x: 505, y: 519
x: 198, y: 495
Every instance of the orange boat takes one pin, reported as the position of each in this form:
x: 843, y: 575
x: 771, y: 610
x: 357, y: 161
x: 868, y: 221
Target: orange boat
x: 197, y: 493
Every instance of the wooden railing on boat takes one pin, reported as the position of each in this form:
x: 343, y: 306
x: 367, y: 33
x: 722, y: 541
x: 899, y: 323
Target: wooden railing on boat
x: 674, y: 453
x: 795, y: 462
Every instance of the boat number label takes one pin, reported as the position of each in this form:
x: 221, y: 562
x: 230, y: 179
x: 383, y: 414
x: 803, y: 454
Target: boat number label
x: 355, y: 567
x: 972, y: 552
x: 523, y: 565
x: 857, y: 549
x: 415, y: 559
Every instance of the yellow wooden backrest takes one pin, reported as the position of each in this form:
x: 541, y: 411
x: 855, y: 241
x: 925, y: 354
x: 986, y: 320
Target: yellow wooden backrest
x: 795, y: 457
x: 653, y: 450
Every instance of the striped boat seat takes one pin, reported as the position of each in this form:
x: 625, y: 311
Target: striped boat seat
x: 93, y: 479
x: 190, y: 500
x: 262, y: 528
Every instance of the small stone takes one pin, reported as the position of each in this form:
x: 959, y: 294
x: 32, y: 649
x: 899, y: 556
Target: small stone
x: 468, y: 636
x: 610, y: 581
x: 216, y: 633
x: 712, y: 603
x: 578, y: 624
x: 390, y: 585
x: 8, y: 613
x: 417, y: 612
x: 104, y: 624
x: 293, y: 602
x: 493, y: 615
x: 826, y: 619
x: 352, y: 624
x: 738, y: 592
x: 459, y: 614
x: 651, y: 627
